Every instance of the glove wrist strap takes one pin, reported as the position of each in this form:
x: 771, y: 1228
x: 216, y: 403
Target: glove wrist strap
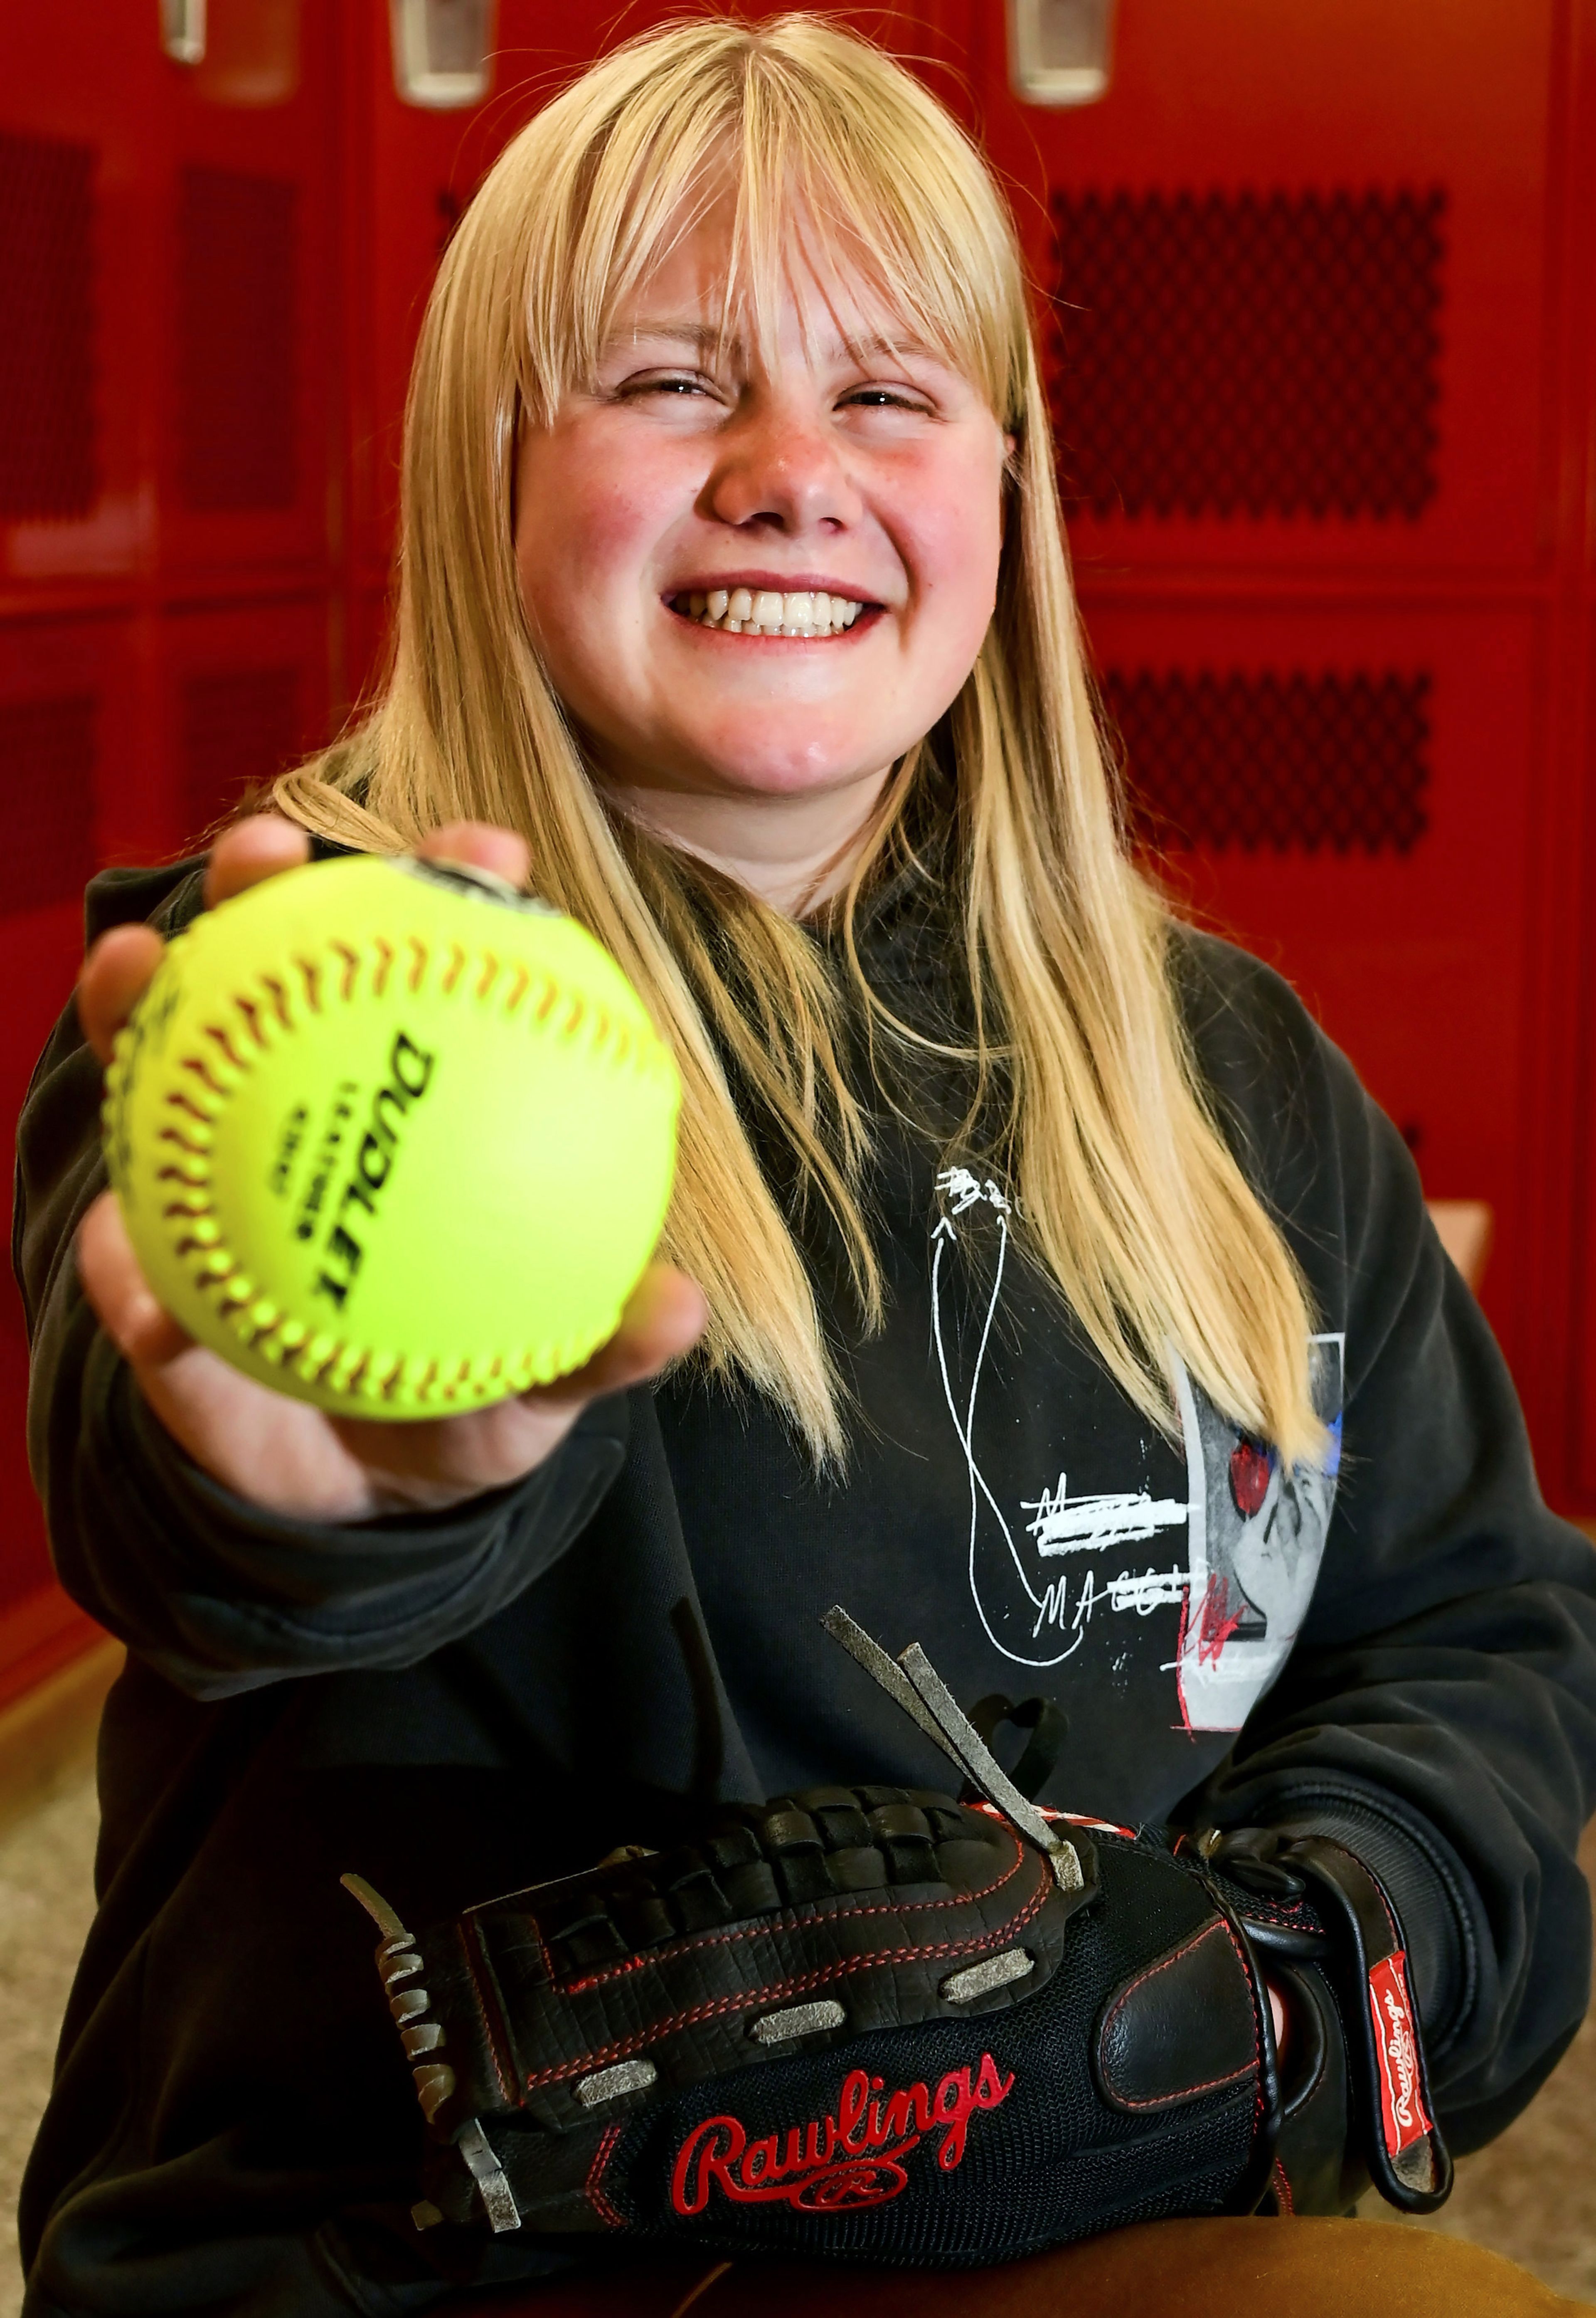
x: 1403, y: 2148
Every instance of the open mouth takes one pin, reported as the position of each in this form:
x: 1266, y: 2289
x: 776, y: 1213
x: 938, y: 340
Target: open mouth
x: 762, y: 612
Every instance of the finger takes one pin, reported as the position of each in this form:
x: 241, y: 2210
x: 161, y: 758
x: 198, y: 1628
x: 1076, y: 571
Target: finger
x: 1281, y: 2019
x: 261, y: 847
x: 479, y: 846
x: 114, y: 974
x: 141, y: 1327
x: 665, y: 1318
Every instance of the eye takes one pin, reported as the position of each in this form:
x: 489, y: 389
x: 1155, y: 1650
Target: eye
x: 885, y: 397
x: 679, y: 386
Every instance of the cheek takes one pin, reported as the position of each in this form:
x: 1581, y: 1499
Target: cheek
x: 585, y: 531
x: 954, y: 541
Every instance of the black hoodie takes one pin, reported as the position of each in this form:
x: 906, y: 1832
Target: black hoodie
x: 1400, y: 1651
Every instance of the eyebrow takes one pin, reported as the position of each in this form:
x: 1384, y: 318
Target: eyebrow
x: 705, y: 337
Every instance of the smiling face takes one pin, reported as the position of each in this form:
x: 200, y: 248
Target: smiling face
x: 755, y: 584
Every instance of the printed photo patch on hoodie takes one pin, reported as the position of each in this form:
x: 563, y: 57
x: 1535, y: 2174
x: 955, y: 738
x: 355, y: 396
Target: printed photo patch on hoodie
x: 1227, y: 1565
x: 1255, y: 1538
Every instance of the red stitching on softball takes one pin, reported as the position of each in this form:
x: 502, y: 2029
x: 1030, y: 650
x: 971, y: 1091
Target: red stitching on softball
x: 215, y: 1030
x: 252, y: 1016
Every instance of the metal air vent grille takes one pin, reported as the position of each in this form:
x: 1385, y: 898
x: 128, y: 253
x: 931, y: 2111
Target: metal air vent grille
x: 236, y: 356
x: 1320, y: 764
x: 1248, y: 355
x: 49, y: 460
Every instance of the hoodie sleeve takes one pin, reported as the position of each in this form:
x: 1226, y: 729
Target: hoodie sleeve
x: 1438, y: 1715
x: 219, y: 1596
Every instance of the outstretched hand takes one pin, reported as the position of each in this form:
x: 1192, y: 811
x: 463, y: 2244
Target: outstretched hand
x: 284, y: 1455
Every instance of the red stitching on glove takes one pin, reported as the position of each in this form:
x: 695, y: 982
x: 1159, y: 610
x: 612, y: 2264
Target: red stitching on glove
x: 605, y: 2054
x: 789, y: 1921
x: 489, y: 2038
x: 593, y: 2192
x: 1166, y: 1964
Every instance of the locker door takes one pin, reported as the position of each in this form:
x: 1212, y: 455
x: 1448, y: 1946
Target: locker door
x: 1303, y: 290
x: 69, y: 695
x: 169, y: 251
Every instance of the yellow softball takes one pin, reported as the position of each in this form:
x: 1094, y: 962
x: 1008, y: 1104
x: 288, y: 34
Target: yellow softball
x: 392, y: 1137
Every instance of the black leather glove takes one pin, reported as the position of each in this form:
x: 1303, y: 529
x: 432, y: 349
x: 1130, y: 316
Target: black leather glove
x: 879, y: 2024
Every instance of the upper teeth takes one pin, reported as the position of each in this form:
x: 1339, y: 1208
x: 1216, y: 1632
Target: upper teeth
x: 762, y: 612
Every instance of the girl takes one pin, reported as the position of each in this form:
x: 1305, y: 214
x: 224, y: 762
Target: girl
x: 1039, y: 1282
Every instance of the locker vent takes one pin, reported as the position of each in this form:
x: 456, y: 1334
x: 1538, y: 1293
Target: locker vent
x: 49, y: 463
x: 1320, y: 764
x: 238, y: 726
x: 235, y: 341
x: 47, y: 748
x: 1247, y: 355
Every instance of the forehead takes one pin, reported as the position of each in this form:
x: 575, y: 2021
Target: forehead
x: 805, y: 295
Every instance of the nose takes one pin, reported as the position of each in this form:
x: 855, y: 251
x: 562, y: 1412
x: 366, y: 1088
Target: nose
x: 780, y: 468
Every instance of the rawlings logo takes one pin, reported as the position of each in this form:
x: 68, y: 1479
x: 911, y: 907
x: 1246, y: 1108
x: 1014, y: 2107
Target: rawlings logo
x: 1403, y: 2118
x: 854, y: 2157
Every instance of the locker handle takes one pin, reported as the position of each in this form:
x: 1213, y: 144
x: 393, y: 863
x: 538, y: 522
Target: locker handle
x: 1060, y: 51
x: 443, y: 52
x: 182, y: 31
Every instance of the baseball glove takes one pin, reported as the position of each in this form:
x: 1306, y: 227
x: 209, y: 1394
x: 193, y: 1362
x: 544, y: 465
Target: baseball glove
x: 884, y: 2024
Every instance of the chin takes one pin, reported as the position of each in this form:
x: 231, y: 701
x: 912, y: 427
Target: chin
x: 748, y: 759
x: 756, y: 776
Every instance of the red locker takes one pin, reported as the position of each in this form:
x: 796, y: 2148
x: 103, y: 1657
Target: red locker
x: 170, y: 254
x: 69, y: 698
x: 1315, y: 293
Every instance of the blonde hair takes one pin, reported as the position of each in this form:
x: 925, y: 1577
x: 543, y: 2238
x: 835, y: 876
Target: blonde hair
x: 1127, y: 1190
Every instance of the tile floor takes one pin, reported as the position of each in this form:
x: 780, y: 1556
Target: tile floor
x: 1531, y: 2195
x: 46, y: 1901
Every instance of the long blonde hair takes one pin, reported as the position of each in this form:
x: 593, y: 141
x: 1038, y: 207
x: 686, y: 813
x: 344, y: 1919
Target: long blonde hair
x: 1127, y: 1190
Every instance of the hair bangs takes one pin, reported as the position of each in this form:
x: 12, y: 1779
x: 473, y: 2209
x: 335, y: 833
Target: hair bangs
x: 771, y: 119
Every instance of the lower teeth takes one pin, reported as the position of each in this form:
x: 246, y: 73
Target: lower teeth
x: 753, y: 628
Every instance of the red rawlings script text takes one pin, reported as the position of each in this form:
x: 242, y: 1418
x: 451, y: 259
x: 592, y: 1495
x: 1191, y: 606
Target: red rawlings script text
x: 1402, y: 2103
x: 854, y: 2157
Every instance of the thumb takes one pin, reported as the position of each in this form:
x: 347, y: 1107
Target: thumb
x: 138, y: 1325
x: 664, y: 1318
